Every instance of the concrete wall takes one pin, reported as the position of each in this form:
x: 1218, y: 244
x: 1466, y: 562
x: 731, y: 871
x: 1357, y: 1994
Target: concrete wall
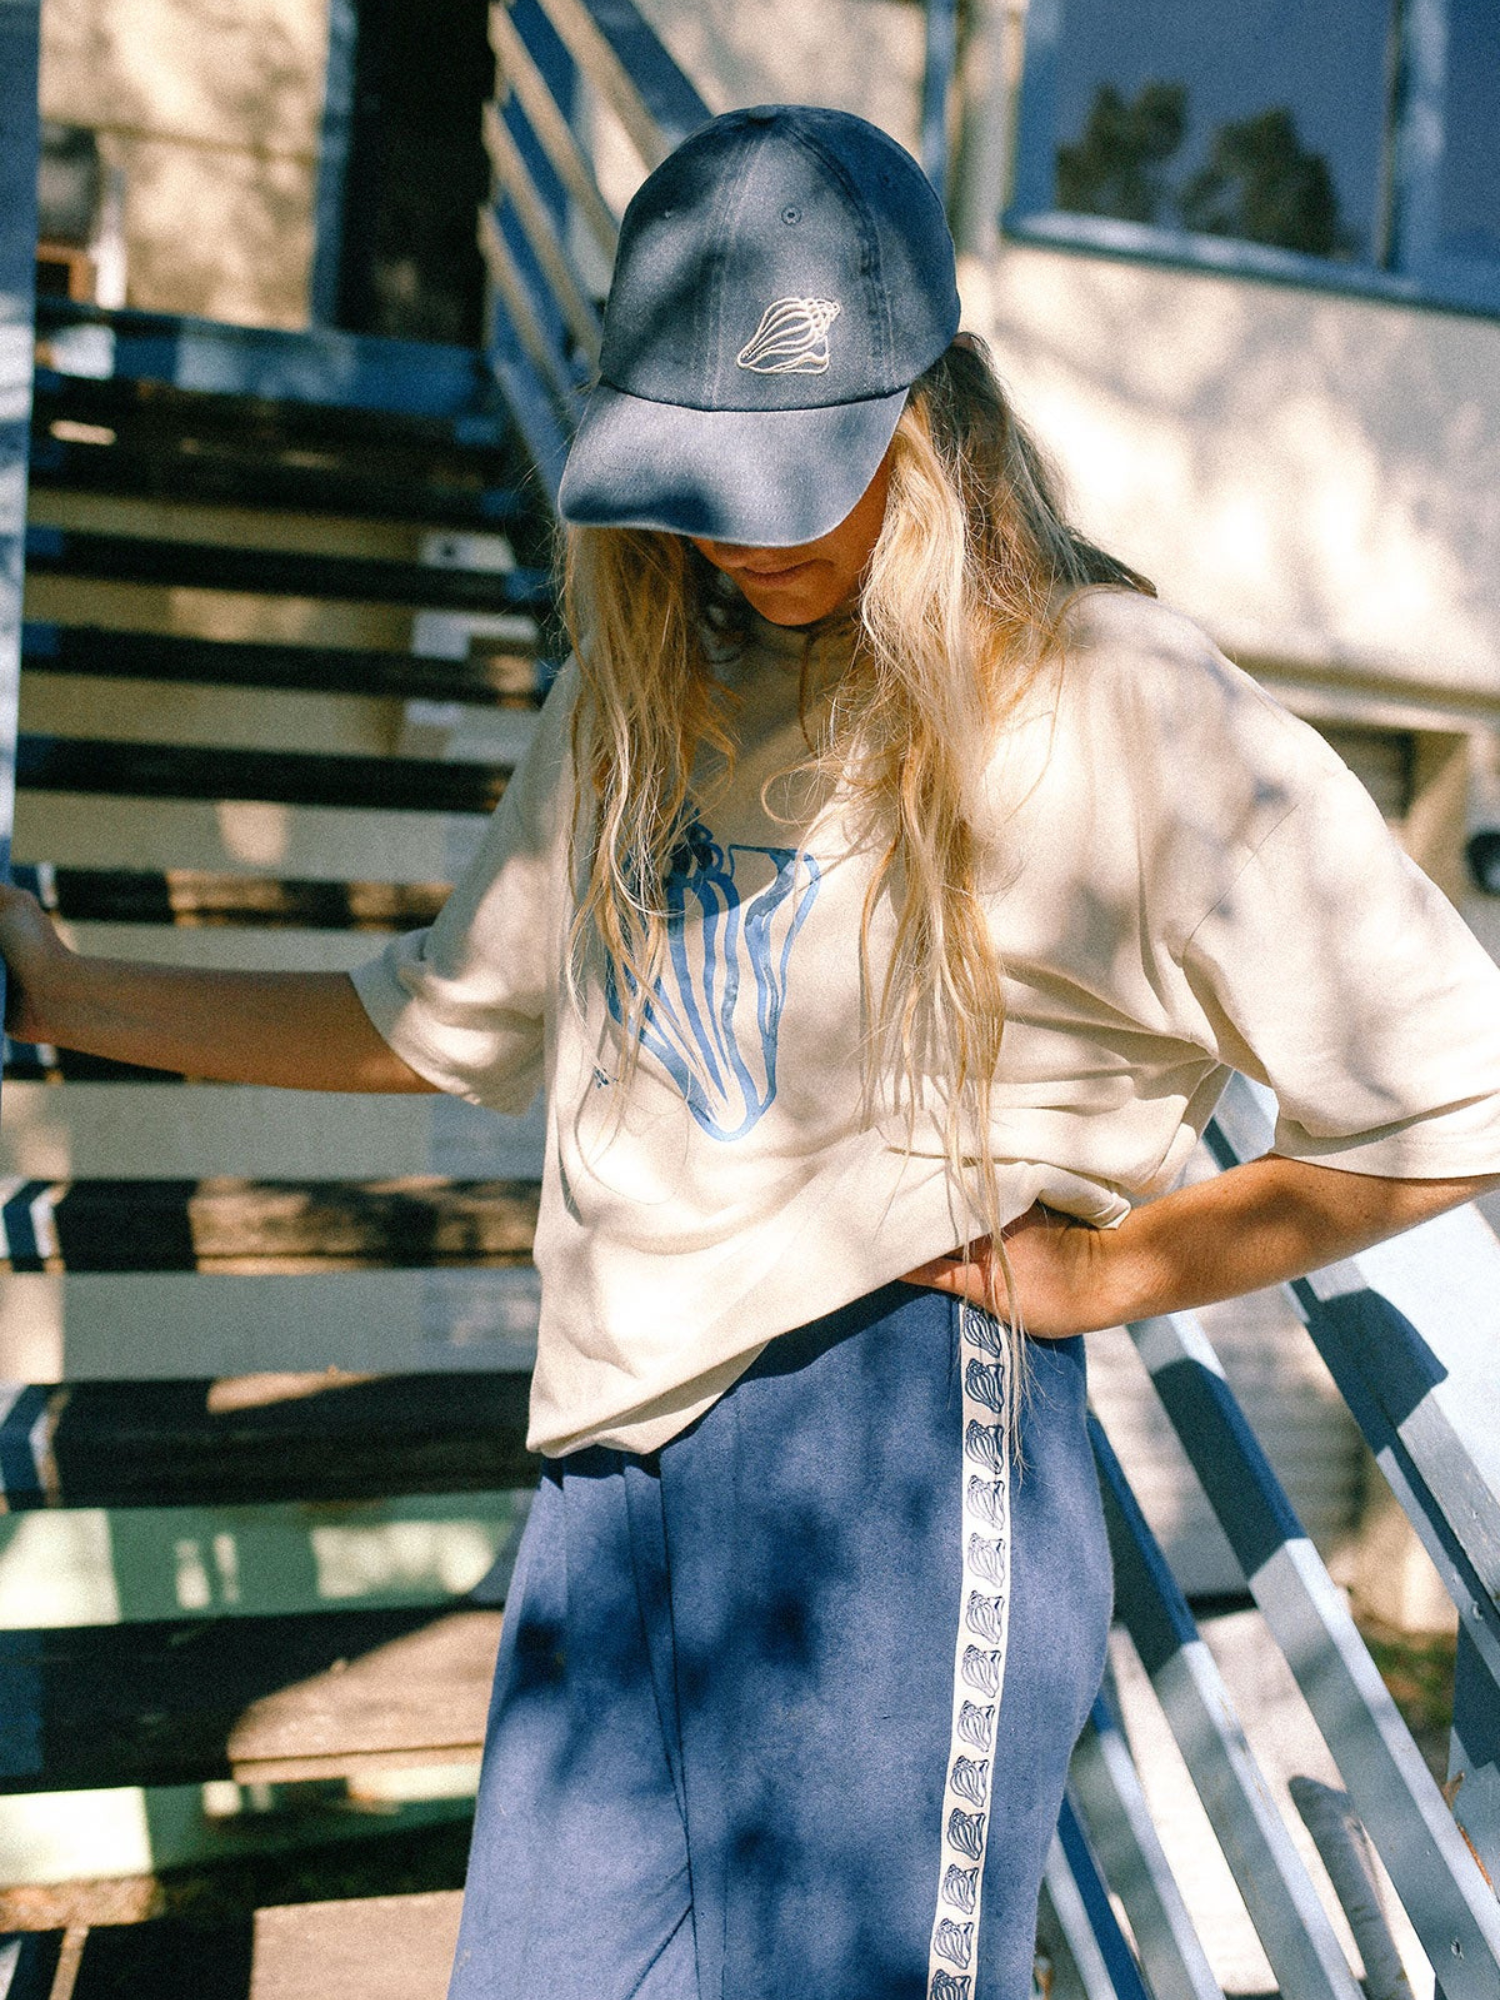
x: 211, y: 108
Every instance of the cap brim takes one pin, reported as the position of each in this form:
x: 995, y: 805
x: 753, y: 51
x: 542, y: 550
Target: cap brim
x: 766, y: 479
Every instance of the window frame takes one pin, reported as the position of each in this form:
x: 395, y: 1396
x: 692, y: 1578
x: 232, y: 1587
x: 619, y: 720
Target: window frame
x: 1416, y: 273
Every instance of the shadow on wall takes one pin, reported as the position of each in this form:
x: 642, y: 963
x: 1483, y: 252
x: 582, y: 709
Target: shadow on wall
x: 212, y: 112
x: 1310, y: 474
x: 761, y: 51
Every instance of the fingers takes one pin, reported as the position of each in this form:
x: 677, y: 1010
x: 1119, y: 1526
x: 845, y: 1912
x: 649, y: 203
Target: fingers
x: 31, y: 947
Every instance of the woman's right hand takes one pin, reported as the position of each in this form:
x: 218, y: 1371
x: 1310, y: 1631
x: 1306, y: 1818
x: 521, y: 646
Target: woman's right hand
x: 34, y: 955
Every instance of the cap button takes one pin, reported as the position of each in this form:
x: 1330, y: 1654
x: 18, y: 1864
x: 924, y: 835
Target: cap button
x: 762, y: 114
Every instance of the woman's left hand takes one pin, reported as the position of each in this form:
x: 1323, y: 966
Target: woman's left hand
x: 1058, y: 1267
x: 1259, y: 1224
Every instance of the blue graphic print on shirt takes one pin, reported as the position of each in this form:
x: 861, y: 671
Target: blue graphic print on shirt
x: 713, y: 1030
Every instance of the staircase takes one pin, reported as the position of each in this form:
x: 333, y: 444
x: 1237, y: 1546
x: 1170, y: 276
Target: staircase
x: 284, y: 638
x: 286, y: 626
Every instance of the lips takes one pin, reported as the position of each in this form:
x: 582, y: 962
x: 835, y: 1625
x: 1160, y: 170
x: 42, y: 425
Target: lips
x: 772, y: 575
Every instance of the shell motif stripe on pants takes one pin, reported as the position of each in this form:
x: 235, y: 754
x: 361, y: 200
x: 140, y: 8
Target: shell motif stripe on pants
x: 734, y: 1752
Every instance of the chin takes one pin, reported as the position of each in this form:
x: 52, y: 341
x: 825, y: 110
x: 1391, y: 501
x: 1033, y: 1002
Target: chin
x: 793, y: 608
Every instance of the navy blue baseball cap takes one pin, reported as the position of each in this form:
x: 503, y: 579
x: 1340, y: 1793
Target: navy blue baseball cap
x: 781, y: 281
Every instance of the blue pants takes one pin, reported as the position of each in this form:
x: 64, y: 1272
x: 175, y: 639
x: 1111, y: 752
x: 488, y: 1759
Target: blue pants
x: 762, y: 1730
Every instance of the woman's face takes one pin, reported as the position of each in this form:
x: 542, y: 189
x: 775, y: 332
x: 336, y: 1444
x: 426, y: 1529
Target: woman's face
x: 800, y: 585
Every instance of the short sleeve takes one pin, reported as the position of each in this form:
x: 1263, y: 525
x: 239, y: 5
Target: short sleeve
x: 465, y: 1002
x: 1334, y: 971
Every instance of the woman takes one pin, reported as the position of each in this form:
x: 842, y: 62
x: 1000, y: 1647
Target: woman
x: 889, y: 889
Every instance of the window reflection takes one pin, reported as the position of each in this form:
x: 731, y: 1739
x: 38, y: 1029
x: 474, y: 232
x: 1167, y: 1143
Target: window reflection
x: 1470, y: 184
x: 1263, y: 122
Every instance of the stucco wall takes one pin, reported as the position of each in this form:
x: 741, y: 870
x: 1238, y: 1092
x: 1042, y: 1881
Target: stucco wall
x: 1315, y: 476
x: 856, y: 55
x: 212, y: 110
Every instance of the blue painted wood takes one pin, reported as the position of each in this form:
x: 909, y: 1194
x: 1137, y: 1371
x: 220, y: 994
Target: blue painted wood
x: 1281, y: 1901
x: 333, y: 161
x: 19, y: 36
x: 1445, y: 1895
x: 1409, y: 1331
x: 28, y: 1964
x: 560, y: 74
x: 1119, y: 1962
x: 1474, y: 1763
x: 542, y: 387
x: 536, y: 418
x: 539, y: 388
x: 666, y: 92
x: 937, y: 86
x: 24, y: 1443
x: 526, y: 325
x: 354, y: 371
x: 1123, y: 1836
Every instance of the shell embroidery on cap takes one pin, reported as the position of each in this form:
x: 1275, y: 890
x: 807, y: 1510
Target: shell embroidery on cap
x: 792, y: 338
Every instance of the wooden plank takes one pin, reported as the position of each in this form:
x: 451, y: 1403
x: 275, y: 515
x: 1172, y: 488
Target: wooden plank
x: 507, y: 677
x: 154, y: 415
x: 246, y: 1438
x: 264, y: 1698
x: 545, y: 429
x: 28, y: 1964
x: 19, y: 50
x: 149, y: 441
x: 236, y: 478
x: 357, y: 373
x: 183, y: 1225
x: 625, y: 62
x: 108, y: 768
x: 1474, y: 1757
x: 535, y: 217
x: 337, y: 841
x: 1107, y: 1787
x: 1449, y: 1902
x: 1282, y: 1903
x: 368, y: 1948
x: 515, y: 295
x: 99, y: 1131
x: 199, y: 899
x: 380, y: 1948
x: 553, y: 133
x: 1119, y: 1965
x: 1408, y: 1332
x: 282, y: 573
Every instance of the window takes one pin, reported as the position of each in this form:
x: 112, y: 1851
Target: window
x: 1351, y: 146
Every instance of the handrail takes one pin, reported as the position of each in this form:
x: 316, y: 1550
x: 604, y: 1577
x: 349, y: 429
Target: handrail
x: 544, y: 339
x: 519, y: 72
x: 19, y: 59
x: 622, y: 58
x: 1395, y: 1795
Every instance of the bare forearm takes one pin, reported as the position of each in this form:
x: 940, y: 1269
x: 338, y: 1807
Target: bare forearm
x: 1256, y: 1225
x: 300, y: 1030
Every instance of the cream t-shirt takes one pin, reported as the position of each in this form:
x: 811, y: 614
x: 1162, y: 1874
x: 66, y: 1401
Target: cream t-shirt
x: 1182, y: 880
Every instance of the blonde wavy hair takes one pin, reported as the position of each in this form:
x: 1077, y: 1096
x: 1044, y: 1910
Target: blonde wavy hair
x: 961, y: 603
